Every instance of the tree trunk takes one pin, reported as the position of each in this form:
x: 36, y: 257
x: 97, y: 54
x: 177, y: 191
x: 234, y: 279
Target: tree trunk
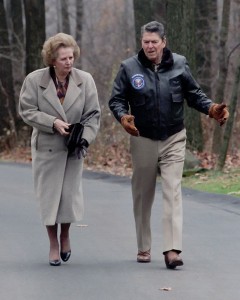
x: 146, y: 11
x: 222, y: 60
x: 79, y: 27
x: 17, y: 43
x: 7, y: 103
x: 65, y: 17
x: 159, y: 11
x: 181, y: 38
x: 35, y: 33
x: 128, y: 16
x: 229, y: 124
x: 206, y: 15
x: 143, y: 10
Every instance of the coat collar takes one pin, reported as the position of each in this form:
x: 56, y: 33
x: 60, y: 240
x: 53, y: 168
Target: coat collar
x: 46, y: 77
x: 167, y: 59
x: 71, y: 96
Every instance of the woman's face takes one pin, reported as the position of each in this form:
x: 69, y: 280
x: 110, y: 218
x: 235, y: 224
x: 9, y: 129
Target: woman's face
x: 64, y: 61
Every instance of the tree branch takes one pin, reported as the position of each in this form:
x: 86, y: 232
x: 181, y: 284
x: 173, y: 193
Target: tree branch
x: 231, y: 52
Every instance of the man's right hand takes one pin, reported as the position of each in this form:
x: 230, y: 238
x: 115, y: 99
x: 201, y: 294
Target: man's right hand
x: 127, y: 122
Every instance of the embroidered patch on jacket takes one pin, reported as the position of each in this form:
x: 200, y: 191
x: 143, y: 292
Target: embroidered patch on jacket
x: 138, y: 81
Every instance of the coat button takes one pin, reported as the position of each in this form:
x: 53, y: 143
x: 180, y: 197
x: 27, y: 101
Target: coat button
x: 50, y: 150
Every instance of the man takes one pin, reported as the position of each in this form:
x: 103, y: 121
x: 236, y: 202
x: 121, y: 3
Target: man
x: 148, y: 100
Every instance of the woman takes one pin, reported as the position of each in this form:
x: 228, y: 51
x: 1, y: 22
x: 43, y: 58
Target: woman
x: 51, y: 99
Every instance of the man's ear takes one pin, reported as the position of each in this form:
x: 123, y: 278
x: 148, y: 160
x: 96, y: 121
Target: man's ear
x: 164, y: 40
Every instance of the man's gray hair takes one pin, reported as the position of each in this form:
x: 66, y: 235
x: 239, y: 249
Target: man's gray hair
x: 154, y: 26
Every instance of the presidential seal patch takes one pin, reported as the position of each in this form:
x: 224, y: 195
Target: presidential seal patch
x: 138, y: 81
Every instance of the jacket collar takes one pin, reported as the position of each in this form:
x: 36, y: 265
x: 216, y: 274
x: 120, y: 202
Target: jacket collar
x: 167, y: 59
x: 47, y: 77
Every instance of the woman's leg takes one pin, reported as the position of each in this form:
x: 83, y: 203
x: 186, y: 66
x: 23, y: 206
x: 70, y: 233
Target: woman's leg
x: 64, y: 238
x: 54, y: 245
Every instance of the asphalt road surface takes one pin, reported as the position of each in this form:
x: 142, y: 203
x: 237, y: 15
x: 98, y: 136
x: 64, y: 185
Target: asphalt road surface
x: 103, y: 263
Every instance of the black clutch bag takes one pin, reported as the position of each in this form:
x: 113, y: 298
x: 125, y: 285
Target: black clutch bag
x: 73, y: 140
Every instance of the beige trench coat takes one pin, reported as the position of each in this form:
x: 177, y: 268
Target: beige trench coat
x: 57, y: 177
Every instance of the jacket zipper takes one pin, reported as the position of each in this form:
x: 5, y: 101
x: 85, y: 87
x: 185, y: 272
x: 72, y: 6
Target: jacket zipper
x: 157, y: 101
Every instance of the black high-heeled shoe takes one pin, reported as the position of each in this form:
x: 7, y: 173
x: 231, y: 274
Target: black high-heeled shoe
x: 65, y: 255
x: 55, y: 262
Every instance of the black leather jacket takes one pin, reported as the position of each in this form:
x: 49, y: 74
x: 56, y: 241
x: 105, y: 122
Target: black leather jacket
x: 156, y: 98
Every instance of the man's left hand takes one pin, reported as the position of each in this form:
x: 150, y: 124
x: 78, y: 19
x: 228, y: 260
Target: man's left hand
x: 219, y: 112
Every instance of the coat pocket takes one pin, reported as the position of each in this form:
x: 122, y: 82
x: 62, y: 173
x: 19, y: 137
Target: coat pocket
x: 140, y: 109
x: 177, y: 98
x: 175, y: 85
x: 177, y: 108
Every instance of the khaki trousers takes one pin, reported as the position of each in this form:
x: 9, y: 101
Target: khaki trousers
x: 147, y: 156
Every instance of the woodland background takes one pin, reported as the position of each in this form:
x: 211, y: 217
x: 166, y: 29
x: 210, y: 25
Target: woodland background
x: 108, y: 31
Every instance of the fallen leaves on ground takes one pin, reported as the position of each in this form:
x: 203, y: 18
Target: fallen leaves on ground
x: 115, y: 159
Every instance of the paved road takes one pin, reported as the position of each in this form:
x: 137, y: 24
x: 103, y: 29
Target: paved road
x: 103, y: 264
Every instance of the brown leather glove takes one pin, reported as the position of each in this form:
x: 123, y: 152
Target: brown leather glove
x: 219, y: 112
x: 127, y: 122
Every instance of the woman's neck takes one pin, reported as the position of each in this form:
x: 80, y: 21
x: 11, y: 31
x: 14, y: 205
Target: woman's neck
x: 61, y: 77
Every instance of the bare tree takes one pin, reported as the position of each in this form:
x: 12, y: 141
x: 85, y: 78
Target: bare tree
x: 206, y: 49
x: 109, y: 37
x: 17, y: 40
x: 181, y: 38
x: 159, y: 11
x: 206, y: 30
x: 229, y: 125
x: 143, y: 11
x: 222, y: 73
x: 65, y: 17
x: 146, y: 11
x: 35, y: 33
x: 79, y: 26
x: 7, y: 103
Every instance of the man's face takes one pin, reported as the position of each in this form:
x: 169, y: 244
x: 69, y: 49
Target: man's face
x: 153, y: 45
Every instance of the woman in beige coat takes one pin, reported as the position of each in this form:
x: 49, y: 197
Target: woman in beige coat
x: 50, y: 100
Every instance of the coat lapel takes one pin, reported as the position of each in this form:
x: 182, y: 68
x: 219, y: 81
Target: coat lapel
x: 73, y: 90
x: 50, y: 94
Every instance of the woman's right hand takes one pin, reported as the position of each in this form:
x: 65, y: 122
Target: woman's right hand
x: 61, y: 127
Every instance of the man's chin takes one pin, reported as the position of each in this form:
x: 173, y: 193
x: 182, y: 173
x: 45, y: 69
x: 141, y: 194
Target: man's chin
x: 151, y: 56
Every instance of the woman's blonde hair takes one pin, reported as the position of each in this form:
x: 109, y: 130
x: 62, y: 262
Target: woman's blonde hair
x: 51, y: 46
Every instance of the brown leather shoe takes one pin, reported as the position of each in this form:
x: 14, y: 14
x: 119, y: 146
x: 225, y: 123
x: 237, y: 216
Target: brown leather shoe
x: 144, y: 256
x: 173, y: 260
